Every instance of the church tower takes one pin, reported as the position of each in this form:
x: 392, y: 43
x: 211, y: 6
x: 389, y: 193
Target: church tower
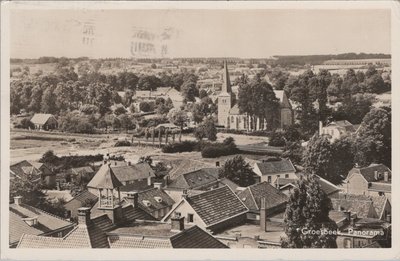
x: 225, y: 99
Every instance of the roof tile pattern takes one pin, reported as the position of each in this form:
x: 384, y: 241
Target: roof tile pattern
x: 254, y: 193
x: 105, y: 179
x: 369, y: 172
x: 272, y: 167
x: 217, y: 205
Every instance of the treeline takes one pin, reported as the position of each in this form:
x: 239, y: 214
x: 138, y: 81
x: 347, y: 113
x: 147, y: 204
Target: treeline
x: 286, y: 60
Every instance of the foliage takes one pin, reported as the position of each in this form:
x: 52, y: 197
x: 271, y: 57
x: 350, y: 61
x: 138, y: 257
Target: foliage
x: 308, y: 210
x: 277, y: 139
x: 67, y: 162
x: 25, y: 123
x: 206, y: 130
x: 184, y: 146
x: 122, y: 143
x: 178, y: 117
x: 146, y: 159
x: 237, y: 170
x: 214, y: 150
x: 294, y: 151
x: 318, y: 158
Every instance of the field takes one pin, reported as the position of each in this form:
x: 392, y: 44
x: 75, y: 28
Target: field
x: 30, y: 145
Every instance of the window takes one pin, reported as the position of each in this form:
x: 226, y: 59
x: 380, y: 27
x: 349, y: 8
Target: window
x: 190, y: 218
x: 278, y: 176
x: 286, y: 176
x: 347, y: 243
x: 269, y: 179
x: 177, y: 214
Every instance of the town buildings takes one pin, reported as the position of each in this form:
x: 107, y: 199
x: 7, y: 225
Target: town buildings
x: 43, y: 121
x: 230, y: 117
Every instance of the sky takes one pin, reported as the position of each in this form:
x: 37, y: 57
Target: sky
x: 197, y: 33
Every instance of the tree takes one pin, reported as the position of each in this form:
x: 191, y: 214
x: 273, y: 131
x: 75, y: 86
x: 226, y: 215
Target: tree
x: 48, y: 104
x: 277, y: 139
x: 294, y: 151
x: 119, y: 110
x: 145, y: 107
x: 343, y: 155
x: 178, y: 117
x: 318, y: 159
x: 49, y: 157
x: 374, y: 141
x: 308, y: 211
x: 189, y: 91
x: 206, y: 130
x: 146, y: 159
x: 238, y: 171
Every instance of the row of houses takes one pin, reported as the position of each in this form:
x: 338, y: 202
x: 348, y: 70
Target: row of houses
x: 217, y: 209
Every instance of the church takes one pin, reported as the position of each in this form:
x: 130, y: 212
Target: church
x: 230, y: 117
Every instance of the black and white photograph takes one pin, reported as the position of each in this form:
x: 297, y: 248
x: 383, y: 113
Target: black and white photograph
x: 219, y: 127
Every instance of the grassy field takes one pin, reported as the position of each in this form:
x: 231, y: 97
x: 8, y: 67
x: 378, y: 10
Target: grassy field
x: 30, y: 145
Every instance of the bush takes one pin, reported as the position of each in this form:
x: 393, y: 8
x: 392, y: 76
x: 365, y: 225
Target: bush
x: 184, y: 146
x: 261, y: 133
x: 122, y: 143
x: 218, y: 150
x: 277, y: 139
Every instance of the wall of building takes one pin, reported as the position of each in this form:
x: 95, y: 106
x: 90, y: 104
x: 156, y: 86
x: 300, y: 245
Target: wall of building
x: 356, y: 184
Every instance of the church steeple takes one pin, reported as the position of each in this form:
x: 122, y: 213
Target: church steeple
x: 226, y: 85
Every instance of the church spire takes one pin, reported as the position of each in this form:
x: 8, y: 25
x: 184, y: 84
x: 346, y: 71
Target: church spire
x: 226, y: 85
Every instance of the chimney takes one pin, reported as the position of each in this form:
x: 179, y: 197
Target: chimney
x: 177, y: 223
x: 348, y: 215
x: 149, y: 180
x: 105, y: 162
x: 185, y: 194
x: 376, y: 175
x: 18, y: 200
x: 389, y: 218
x: 133, y: 197
x: 386, y: 176
x: 115, y: 163
x: 263, y: 215
x: 157, y: 185
x: 353, y: 222
x: 84, y: 216
x: 277, y: 183
x: 217, y: 164
x: 129, y: 163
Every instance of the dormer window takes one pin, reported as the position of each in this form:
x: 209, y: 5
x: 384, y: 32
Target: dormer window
x: 146, y: 203
x: 158, y: 199
x: 31, y: 221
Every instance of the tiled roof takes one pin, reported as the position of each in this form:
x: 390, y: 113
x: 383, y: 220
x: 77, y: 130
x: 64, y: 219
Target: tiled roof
x: 327, y: 186
x: 194, y: 179
x: 252, y: 195
x: 337, y: 216
x: 104, y: 179
x: 195, y: 237
x: 159, y: 235
x: 272, y: 167
x: 82, y: 236
x: 369, y: 172
x: 118, y: 241
x: 284, y: 181
x: 361, y: 207
x: 133, y: 172
x: 379, y: 186
x: 182, y: 166
x: 82, y: 170
x: 229, y: 183
x: 217, y: 205
x: 24, y: 167
x: 151, y: 196
x: 46, y: 222
x: 85, y: 197
x: 41, y: 118
x: 130, y: 213
x: 135, y: 186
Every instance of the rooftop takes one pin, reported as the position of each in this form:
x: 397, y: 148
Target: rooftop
x: 369, y: 172
x: 275, y: 231
x: 195, y: 179
x: 41, y: 118
x: 217, y: 205
x: 278, y: 166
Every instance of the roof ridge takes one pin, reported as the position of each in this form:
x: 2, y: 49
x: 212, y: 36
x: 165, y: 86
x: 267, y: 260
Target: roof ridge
x: 45, y: 212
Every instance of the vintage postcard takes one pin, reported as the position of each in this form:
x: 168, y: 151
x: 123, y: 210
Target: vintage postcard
x: 199, y: 130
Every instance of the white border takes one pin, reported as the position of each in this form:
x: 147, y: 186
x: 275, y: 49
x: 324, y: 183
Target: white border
x: 230, y: 254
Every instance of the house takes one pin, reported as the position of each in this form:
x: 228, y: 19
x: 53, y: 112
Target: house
x: 287, y: 185
x: 79, y: 173
x: 337, y: 129
x: 43, y: 172
x: 83, y: 199
x: 43, y: 121
x: 364, y: 208
x: 30, y: 220
x: 275, y: 201
x: 229, y: 114
x: 213, y: 210
x: 133, y: 177
x: 374, y: 180
x: 381, y: 205
x: 270, y: 170
x: 101, y: 232
x: 154, y: 201
x: 182, y: 166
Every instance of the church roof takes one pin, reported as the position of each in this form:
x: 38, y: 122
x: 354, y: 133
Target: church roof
x: 226, y: 85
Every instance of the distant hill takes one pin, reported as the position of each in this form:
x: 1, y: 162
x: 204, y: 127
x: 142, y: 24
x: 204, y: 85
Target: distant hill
x: 319, y: 59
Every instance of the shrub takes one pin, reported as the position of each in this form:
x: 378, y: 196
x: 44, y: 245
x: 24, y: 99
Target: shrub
x: 277, y: 140
x: 213, y: 150
x: 184, y: 146
x: 122, y: 143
